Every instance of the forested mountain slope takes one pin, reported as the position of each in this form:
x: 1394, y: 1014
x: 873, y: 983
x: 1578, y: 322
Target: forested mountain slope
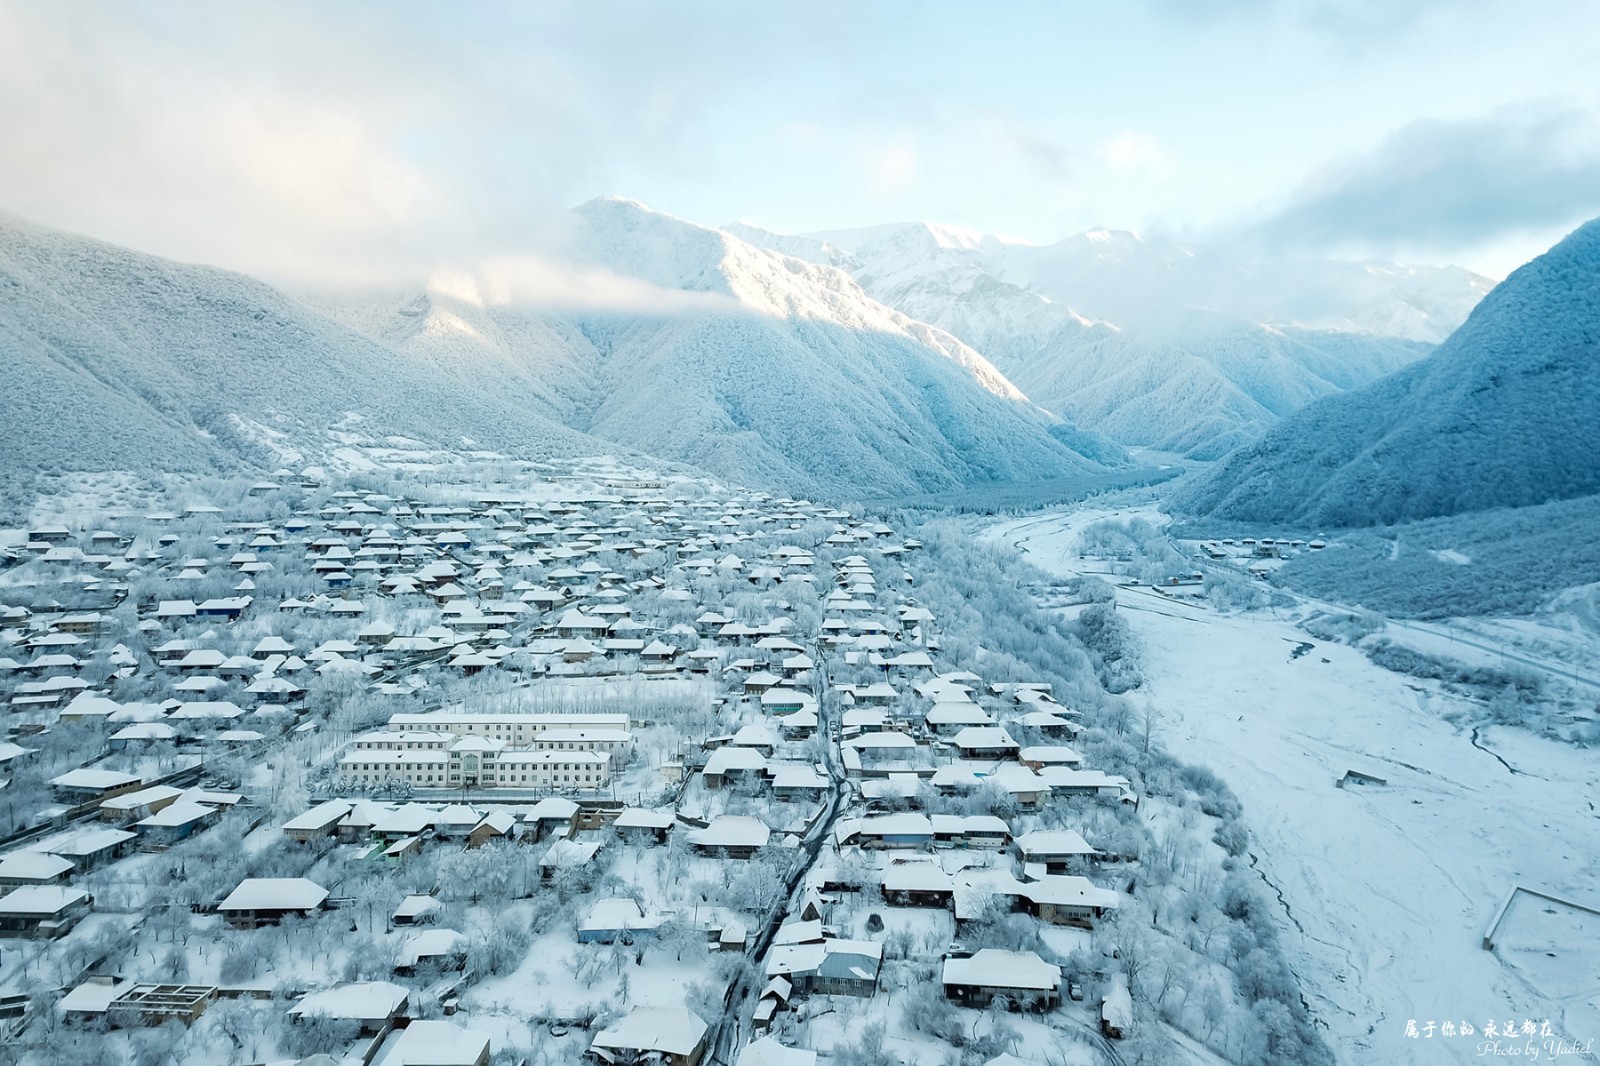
x: 1506, y: 413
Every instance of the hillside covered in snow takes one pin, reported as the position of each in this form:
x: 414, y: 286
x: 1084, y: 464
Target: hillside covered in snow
x: 687, y: 343
x: 115, y: 360
x: 1503, y: 414
x: 1201, y: 389
x: 652, y: 334
x: 1151, y: 342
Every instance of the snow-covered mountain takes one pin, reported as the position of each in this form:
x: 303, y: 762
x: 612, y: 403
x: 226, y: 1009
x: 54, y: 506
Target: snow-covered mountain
x: 936, y: 274
x: 687, y: 343
x: 1506, y: 413
x: 1139, y: 283
x: 1154, y: 343
x: 1201, y: 390
x: 117, y: 360
x: 652, y: 333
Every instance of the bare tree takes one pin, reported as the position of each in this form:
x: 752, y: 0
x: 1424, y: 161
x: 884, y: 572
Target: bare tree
x: 1149, y: 720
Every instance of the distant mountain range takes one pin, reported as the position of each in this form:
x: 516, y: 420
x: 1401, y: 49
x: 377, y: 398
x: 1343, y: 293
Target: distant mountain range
x: 1153, y: 343
x: 885, y: 362
x: 1506, y: 413
x: 652, y: 334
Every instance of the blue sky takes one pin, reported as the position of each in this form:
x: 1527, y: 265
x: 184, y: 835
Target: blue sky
x: 359, y: 140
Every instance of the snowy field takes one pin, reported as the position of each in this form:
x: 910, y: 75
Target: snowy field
x: 1386, y: 889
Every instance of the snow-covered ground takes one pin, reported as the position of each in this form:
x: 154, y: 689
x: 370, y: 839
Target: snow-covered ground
x: 1386, y: 890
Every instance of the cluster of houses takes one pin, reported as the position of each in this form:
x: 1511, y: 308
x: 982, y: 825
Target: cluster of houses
x: 381, y: 1014
x: 115, y: 814
x: 497, y: 582
x: 1258, y: 556
x: 836, y: 727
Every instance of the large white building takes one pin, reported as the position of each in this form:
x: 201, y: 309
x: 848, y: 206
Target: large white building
x: 611, y: 741
x: 477, y: 762
x: 457, y: 749
x: 517, y: 730
x: 404, y: 740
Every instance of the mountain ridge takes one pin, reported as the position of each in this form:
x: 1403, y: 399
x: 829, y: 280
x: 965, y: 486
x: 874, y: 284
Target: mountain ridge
x: 1502, y: 414
x: 138, y: 361
x: 1131, y: 337
x: 910, y: 407
x: 671, y: 339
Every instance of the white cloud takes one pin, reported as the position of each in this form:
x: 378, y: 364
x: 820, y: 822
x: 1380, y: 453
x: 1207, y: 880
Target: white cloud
x: 1444, y: 185
x: 535, y: 282
x: 1135, y: 152
x: 890, y: 168
x: 355, y: 143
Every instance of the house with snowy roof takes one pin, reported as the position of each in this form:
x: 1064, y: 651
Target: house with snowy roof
x: 652, y: 1034
x: 768, y: 1052
x: 1116, y: 1009
x: 797, y: 781
x: 1054, y: 849
x: 141, y: 803
x: 610, y: 920
x: 917, y: 883
x: 33, y: 868
x: 948, y: 717
x: 882, y: 754
x: 905, y: 830
x: 1020, y: 977
x: 260, y: 901
x: 731, y: 836
x: 970, y: 831
x: 89, y: 846
x: 318, y: 822
x: 437, y: 949
x: 984, y: 742
x: 87, y: 784
x: 494, y: 826
x: 42, y: 911
x: 425, y: 1042
x: 1070, y: 781
x: 552, y: 816
x: 728, y: 765
x: 564, y: 855
x: 373, y: 1005
x: 1066, y: 899
x: 828, y: 966
x: 1059, y: 899
x: 639, y: 826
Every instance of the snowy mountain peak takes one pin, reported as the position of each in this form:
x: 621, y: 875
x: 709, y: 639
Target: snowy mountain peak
x: 140, y: 363
x: 630, y: 239
x: 759, y: 364
x: 1114, y: 243
x: 1163, y: 345
x: 811, y: 249
x: 907, y: 243
x: 947, y: 236
x: 766, y: 277
x: 606, y: 199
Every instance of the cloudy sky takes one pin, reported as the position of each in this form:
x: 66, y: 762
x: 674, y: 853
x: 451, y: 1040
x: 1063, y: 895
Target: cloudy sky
x: 357, y: 142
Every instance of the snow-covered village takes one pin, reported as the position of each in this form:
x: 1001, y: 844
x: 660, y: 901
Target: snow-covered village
x: 600, y: 765
x: 609, y: 533
x: 593, y: 764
